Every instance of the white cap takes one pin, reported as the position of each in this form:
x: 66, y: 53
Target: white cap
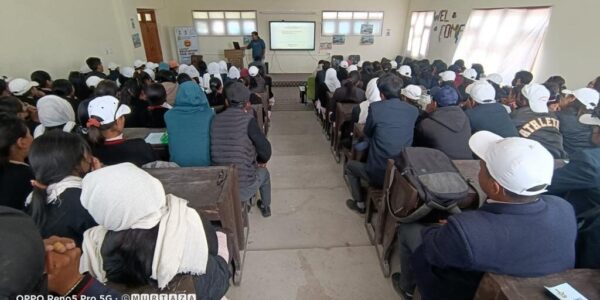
x: 192, y: 72
x: 92, y: 81
x: 538, y: 96
x: 352, y: 68
x: 412, y: 91
x: 517, y: 164
x: 149, y: 72
x: 405, y: 71
x: 20, y: 86
x: 343, y: 64
x: 495, y: 78
x: 469, y: 74
x: 112, y: 66
x: 127, y: 72
x: 253, y: 71
x: 394, y: 64
x: 360, y: 64
x: 84, y: 69
x: 482, y: 92
x: 448, y: 76
x: 587, y: 96
x: 107, y: 108
x: 138, y: 63
x: 588, y: 119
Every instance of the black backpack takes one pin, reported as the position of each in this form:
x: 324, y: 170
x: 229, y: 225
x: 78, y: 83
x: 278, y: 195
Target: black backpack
x: 438, y: 184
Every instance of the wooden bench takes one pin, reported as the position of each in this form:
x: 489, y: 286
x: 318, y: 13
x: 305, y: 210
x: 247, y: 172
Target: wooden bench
x: 214, y: 193
x: 161, y: 150
x: 343, y: 115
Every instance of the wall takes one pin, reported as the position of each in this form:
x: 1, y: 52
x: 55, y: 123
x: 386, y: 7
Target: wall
x: 569, y: 47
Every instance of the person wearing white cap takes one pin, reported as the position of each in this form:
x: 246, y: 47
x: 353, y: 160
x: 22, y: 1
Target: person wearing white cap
x: 411, y: 94
x: 448, y: 77
x: 92, y: 81
x: 468, y: 76
x: 25, y: 90
x: 344, y: 64
x: 535, y: 122
x: 127, y: 72
x: 105, y: 133
x: 55, y: 113
x: 485, y: 113
x: 405, y: 71
x: 394, y: 65
x: 576, y: 136
x: 257, y: 82
x: 150, y: 73
x: 390, y: 126
x: 509, y: 234
x: 495, y: 78
x: 96, y: 67
x: 139, y: 65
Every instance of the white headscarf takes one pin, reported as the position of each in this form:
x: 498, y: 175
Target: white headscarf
x: 222, y: 67
x: 213, y: 68
x: 181, y: 68
x: 54, y: 111
x: 192, y: 72
x: 331, y: 80
x: 352, y: 68
x: 373, y: 95
x: 122, y: 197
x: 234, y: 73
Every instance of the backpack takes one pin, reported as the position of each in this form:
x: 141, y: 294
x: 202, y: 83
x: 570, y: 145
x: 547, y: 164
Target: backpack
x: 429, y: 181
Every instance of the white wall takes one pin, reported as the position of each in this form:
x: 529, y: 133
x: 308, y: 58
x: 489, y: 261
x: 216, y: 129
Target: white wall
x: 569, y: 48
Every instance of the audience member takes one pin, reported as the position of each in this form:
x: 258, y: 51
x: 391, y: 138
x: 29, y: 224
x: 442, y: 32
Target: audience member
x: 576, y: 136
x: 373, y: 95
x: 25, y: 90
x: 169, y: 82
x: 43, y: 80
x: 213, y: 72
x: 348, y: 93
x: 479, y: 69
x: 15, y: 173
x: 468, y: 77
x: 485, y: 114
x: 216, y: 97
x: 156, y: 95
x: 595, y: 84
x: 64, y: 89
x: 406, y: 75
x: 522, y: 78
x: 55, y: 113
x: 96, y: 67
x: 257, y: 82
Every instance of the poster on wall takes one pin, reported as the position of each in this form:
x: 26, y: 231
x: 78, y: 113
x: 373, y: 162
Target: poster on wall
x: 339, y: 39
x: 247, y: 39
x: 137, y: 42
x: 325, y: 46
x: 187, y: 43
x: 366, y: 29
x: 367, y: 39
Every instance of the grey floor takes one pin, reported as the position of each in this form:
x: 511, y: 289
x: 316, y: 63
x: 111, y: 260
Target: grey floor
x: 312, y: 247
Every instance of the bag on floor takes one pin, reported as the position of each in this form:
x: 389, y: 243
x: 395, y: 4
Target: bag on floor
x: 435, y: 182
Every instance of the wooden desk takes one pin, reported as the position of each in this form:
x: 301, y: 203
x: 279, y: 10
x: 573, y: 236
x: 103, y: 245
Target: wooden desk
x: 214, y: 193
x: 235, y: 57
x: 343, y: 114
x: 161, y: 150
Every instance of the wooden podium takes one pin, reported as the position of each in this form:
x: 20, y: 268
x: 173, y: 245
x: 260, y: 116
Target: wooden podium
x: 235, y: 57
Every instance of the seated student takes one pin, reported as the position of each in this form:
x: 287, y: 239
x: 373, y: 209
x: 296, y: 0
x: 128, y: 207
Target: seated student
x: 25, y: 90
x: 595, y: 84
x: 77, y: 79
x: 216, y: 97
x: 319, y: 68
x: 446, y: 128
x: 515, y: 232
x: 31, y: 266
x: 533, y: 121
x: 232, y: 75
x: 257, y: 82
x: 373, y: 95
x: 254, y: 97
x: 446, y: 78
x: 366, y: 73
x: 92, y: 81
x: 390, y: 125
x: 406, y: 75
x: 59, y: 160
x: 479, y: 69
x: 576, y: 136
x: 64, y: 89
x: 105, y: 134
x: 468, y: 76
x: 342, y: 70
x: 555, y: 96
x: 131, y: 95
x: 236, y: 138
x: 348, y: 93
x: 320, y: 88
x: 55, y: 113
x: 332, y: 83
x: 188, y: 126
x: 113, y: 72
x: 194, y: 74
x: 145, y: 237
x: 4, y: 91
x: 212, y: 72
x: 485, y: 113
x: 95, y: 64
x: 169, y: 82
x: 522, y: 78
x: 13, y: 106
x: 15, y: 174
x: 156, y: 95
x: 44, y: 81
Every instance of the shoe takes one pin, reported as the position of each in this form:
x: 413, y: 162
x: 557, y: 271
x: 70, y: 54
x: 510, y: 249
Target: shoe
x: 264, y: 210
x: 396, y: 283
x: 351, y: 204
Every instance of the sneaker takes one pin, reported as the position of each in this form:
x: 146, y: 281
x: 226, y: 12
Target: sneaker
x: 351, y: 204
x: 396, y: 283
x: 264, y: 210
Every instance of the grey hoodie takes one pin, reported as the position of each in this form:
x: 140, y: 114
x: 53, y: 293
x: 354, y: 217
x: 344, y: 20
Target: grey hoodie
x: 446, y: 129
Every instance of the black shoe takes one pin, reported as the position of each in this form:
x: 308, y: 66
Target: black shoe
x: 399, y: 291
x: 351, y: 204
x: 264, y: 210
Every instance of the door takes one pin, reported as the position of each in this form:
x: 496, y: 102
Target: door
x: 149, y: 30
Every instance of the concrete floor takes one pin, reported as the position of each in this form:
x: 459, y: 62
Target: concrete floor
x: 312, y: 247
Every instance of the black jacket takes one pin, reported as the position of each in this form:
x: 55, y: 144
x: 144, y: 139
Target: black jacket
x: 576, y: 136
x: 491, y: 117
x: 448, y: 130
x: 541, y: 127
x: 15, y: 184
x: 135, y: 151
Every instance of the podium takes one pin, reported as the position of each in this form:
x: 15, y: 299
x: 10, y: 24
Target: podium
x: 235, y: 57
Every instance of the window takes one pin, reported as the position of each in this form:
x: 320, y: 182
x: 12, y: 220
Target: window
x: 418, y: 37
x: 504, y: 40
x: 224, y: 23
x: 350, y: 22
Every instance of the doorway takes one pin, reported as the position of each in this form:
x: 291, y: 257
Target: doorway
x: 149, y: 29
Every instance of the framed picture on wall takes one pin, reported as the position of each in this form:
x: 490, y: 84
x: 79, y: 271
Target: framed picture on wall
x: 367, y: 39
x: 366, y: 29
x: 339, y: 39
x: 137, y: 42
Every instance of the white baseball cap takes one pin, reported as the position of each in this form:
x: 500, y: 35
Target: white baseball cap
x: 522, y: 166
x: 344, y: 64
x: 448, y: 76
x: 149, y: 72
x: 253, y: 71
x: 394, y: 64
x: 495, y: 78
x: 405, y: 70
x: 360, y: 64
x: 112, y: 66
x: 138, y: 63
x: 352, y: 68
x: 20, y: 86
x: 93, y: 81
x: 412, y: 91
x: 150, y: 65
x: 127, y: 72
x: 589, y: 119
x: 482, y: 92
x: 537, y: 96
x: 469, y: 74
x: 107, y: 108
x: 587, y: 96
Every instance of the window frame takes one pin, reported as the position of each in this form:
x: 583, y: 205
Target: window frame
x: 352, y: 20
x: 411, y: 32
x: 209, y: 21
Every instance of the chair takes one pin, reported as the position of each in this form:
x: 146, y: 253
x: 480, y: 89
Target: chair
x: 354, y: 58
x: 335, y: 60
x: 342, y: 116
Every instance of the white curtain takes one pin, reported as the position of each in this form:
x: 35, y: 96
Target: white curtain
x: 504, y: 41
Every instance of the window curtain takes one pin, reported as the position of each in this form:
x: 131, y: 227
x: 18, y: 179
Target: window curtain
x: 505, y: 40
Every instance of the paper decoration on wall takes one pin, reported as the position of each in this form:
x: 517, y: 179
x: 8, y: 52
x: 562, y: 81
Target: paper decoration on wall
x: 186, y: 39
x: 247, y: 39
x: 132, y: 23
x: 366, y: 29
x: 445, y: 28
x: 368, y: 39
x: 387, y: 32
x: 339, y: 39
x: 325, y: 46
x: 137, y: 42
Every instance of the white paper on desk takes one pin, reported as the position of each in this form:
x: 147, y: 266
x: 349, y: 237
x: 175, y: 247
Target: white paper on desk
x: 565, y: 292
x: 154, y: 138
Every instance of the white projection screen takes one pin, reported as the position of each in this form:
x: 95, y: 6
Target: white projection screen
x: 291, y: 35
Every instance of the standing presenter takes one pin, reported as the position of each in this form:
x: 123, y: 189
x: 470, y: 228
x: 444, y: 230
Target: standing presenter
x: 258, y: 48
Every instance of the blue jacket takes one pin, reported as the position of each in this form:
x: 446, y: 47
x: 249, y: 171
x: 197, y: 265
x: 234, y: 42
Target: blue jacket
x: 390, y: 127
x: 188, y: 126
x: 491, y: 117
x: 524, y: 240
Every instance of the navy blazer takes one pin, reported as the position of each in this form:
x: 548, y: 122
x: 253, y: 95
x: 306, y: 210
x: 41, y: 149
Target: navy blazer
x: 524, y: 240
